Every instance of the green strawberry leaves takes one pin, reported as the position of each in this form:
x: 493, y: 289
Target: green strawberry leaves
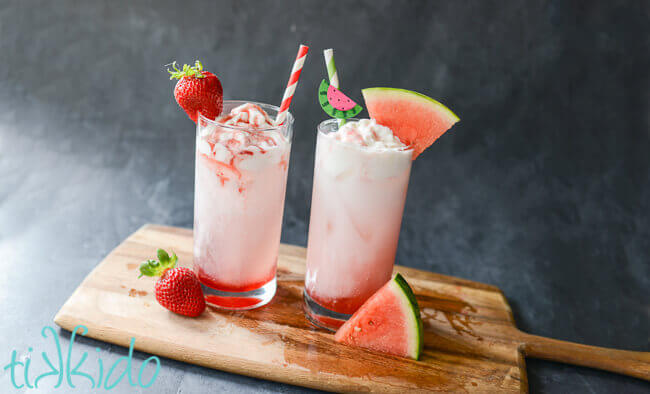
x: 163, y: 256
x: 187, y: 71
x: 158, y: 267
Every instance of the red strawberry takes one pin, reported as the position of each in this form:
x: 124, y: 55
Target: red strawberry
x: 178, y: 289
x: 197, y: 91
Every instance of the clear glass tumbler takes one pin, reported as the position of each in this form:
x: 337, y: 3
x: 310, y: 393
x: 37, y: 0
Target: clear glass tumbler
x: 240, y: 184
x: 356, y: 213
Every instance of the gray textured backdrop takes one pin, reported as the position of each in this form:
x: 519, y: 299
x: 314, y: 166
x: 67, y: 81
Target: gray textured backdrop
x: 543, y: 189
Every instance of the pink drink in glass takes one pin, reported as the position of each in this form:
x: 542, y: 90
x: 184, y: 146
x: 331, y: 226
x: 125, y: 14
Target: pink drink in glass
x: 240, y: 182
x: 357, y: 204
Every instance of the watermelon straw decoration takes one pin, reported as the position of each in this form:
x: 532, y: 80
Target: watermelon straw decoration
x: 331, y: 99
x: 335, y: 103
x: 291, y: 85
x: 331, y: 73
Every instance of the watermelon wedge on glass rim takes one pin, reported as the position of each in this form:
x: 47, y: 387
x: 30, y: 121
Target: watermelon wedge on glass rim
x: 417, y: 120
x: 388, y: 322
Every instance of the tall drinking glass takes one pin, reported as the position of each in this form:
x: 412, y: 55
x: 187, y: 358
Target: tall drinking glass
x: 240, y: 183
x: 356, y: 213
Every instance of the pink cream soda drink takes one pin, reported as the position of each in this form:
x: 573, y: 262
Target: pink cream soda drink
x: 361, y: 177
x: 241, y: 174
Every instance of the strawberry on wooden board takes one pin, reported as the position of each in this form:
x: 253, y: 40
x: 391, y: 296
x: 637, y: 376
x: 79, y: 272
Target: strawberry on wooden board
x: 178, y: 289
x: 197, y: 91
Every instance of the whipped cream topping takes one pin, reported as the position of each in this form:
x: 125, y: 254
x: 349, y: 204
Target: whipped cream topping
x: 368, y: 133
x: 362, y: 149
x: 251, y: 147
x: 247, y: 115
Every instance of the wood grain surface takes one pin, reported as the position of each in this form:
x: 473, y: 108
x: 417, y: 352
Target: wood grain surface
x: 471, y: 342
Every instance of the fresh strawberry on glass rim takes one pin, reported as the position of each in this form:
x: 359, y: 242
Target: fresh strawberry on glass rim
x: 197, y: 91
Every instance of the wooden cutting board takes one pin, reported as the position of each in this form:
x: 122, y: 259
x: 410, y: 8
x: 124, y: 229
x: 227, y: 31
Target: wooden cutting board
x: 470, y: 339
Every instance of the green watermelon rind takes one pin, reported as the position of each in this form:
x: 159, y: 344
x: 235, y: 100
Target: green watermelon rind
x: 415, y: 308
x: 409, y: 94
x: 331, y: 111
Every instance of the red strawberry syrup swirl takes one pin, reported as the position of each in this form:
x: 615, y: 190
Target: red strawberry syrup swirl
x: 249, y: 137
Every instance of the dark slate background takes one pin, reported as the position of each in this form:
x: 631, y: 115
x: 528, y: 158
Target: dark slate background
x: 543, y: 189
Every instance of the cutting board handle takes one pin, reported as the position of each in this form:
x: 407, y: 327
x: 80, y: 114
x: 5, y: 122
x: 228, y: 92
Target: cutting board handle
x: 625, y: 362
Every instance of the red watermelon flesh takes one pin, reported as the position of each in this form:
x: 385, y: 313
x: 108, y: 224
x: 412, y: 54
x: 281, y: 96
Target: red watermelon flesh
x: 339, y: 100
x: 388, y: 322
x: 417, y: 120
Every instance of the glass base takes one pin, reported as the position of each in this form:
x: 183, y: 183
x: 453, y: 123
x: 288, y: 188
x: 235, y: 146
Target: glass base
x: 322, y: 317
x: 240, y: 301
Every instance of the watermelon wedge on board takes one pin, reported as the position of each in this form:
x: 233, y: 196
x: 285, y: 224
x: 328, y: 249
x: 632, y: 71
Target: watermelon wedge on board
x: 417, y: 120
x: 388, y: 322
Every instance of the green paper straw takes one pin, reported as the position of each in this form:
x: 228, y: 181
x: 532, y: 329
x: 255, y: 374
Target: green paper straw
x: 331, y: 67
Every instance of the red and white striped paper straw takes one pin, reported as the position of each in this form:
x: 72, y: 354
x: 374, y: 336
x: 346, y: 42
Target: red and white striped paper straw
x: 291, y: 86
